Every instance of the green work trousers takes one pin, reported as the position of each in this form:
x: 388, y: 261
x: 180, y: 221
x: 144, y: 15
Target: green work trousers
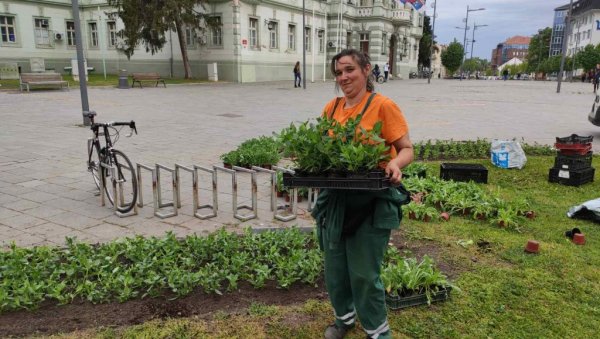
x: 352, y: 278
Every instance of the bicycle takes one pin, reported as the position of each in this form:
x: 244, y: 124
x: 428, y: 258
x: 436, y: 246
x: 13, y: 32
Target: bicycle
x: 102, y: 159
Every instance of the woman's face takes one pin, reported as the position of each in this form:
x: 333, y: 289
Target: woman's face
x: 350, y: 77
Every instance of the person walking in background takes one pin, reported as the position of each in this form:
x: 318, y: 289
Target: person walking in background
x: 505, y: 74
x: 297, y: 77
x: 354, y: 226
x: 596, y: 79
x: 386, y: 71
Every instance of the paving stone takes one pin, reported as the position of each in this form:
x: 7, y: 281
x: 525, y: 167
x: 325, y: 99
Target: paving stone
x: 73, y: 220
x: 31, y: 183
x: 23, y: 221
x: 21, y: 205
x: 48, y: 229
x: 38, y: 196
x: 109, y: 231
x: 44, y: 211
x: 6, y: 213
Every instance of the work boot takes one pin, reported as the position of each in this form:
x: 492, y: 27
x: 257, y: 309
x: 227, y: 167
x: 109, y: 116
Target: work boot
x: 335, y: 332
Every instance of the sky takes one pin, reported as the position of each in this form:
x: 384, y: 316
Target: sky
x: 505, y: 18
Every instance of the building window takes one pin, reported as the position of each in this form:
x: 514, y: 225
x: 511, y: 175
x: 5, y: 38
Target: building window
x: 7, y: 29
x: 274, y: 35
x: 112, y: 33
x: 348, y: 40
x: 42, y: 32
x: 216, y: 33
x: 384, y: 44
x: 307, y: 38
x: 292, y: 37
x: 321, y: 36
x: 364, y: 42
x: 365, y: 3
x: 70, y: 33
x: 253, y: 30
x: 190, y: 37
x: 93, y: 34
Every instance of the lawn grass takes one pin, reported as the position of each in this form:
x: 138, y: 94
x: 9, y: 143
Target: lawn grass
x: 506, y: 293
x: 94, y: 80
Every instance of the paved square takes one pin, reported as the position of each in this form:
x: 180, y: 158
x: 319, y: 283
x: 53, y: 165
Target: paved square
x: 46, y: 192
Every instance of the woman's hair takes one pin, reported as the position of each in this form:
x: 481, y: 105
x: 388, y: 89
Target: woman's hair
x: 361, y: 58
x: 297, y: 63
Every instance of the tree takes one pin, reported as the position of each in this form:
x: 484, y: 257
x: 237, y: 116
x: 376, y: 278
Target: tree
x: 452, y: 57
x: 538, y: 49
x: 426, y: 44
x: 474, y: 65
x: 588, y: 58
x: 148, y: 21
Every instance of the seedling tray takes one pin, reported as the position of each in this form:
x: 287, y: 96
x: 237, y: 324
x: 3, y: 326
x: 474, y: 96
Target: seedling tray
x: 573, y: 149
x: 575, y: 139
x: 464, y: 172
x: 398, y: 302
x: 572, y: 177
x: 573, y: 162
x: 371, y: 181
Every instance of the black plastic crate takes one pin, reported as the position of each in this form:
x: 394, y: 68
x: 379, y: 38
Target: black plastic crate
x: 372, y: 181
x: 397, y: 302
x: 575, y: 139
x: 464, y: 172
x: 572, y: 177
x: 573, y: 162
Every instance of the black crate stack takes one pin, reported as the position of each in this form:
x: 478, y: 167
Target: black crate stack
x: 573, y: 162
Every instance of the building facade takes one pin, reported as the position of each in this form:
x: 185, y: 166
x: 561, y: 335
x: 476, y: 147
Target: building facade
x: 584, y: 26
x: 558, y: 30
x: 515, y: 47
x: 258, y: 40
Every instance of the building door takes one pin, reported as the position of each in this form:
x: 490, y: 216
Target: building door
x: 392, y: 53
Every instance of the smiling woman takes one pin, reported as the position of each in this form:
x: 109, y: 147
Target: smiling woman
x: 354, y: 226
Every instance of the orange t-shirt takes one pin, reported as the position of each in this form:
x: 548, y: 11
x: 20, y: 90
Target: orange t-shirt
x: 381, y: 109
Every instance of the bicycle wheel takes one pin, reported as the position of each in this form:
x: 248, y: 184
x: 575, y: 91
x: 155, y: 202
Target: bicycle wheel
x: 126, y: 181
x: 380, y: 79
x: 94, y: 163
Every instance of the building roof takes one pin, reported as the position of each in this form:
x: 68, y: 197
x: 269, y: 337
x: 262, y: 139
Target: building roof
x: 518, y: 40
x: 581, y: 6
x: 562, y: 8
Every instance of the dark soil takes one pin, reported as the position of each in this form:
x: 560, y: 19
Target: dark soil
x: 50, y: 318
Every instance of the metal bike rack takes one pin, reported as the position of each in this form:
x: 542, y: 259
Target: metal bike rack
x: 273, y: 185
x: 173, y: 203
x: 156, y: 190
x: 313, y: 195
x: 293, y: 201
x: 235, y: 206
x: 196, y: 206
x: 117, y: 190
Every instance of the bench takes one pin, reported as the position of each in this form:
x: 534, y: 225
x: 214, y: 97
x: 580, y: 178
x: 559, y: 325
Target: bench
x: 152, y: 77
x: 40, y: 79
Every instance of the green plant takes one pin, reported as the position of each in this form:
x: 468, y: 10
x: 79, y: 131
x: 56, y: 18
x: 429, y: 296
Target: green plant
x: 404, y: 277
x: 414, y: 169
x: 261, y: 151
x: 327, y: 145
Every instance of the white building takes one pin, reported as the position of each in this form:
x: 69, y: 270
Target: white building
x: 584, y: 27
x: 259, y: 40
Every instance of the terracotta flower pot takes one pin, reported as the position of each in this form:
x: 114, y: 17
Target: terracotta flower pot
x: 445, y: 216
x: 412, y: 215
x: 227, y: 165
x: 532, y: 246
x: 279, y: 194
x: 426, y: 218
x: 530, y: 214
x: 480, y: 216
x: 501, y: 223
x: 579, y: 239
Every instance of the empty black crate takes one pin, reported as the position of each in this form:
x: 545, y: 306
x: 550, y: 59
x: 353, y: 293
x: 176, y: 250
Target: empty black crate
x: 464, y: 172
x: 575, y: 139
x: 572, y: 177
x: 371, y: 181
x: 573, y: 162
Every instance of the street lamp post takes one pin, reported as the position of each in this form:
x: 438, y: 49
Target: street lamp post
x: 475, y: 26
x: 564, y: 47
x: 431, y: 47
x: 465, y: 37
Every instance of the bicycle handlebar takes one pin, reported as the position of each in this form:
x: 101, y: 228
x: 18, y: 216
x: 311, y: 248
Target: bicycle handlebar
x: 131, y: 125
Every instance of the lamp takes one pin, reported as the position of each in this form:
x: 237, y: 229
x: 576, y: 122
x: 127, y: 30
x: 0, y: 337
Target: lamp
x: 404, y: 47
x: 465, y: 37
x: 270, y: 24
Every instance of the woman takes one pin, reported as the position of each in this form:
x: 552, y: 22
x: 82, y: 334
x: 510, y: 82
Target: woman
x: 297, y: 78
x: 354, y: 226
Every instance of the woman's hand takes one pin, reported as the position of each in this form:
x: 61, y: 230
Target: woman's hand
x: 393, y: 171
